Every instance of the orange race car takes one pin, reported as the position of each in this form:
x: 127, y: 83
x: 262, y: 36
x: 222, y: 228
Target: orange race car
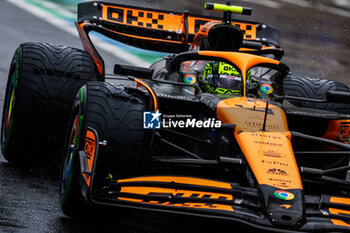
x: 220, y: 130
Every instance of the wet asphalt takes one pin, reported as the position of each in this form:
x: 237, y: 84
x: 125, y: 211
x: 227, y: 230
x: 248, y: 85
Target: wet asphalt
x: 317, y: 44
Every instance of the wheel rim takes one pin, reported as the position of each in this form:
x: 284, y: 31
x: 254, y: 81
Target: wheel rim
x: 7, y: 121
x: 72, y: 147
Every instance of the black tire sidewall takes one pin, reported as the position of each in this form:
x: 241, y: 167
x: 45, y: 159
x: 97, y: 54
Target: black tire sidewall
x: 314, y: 88
x: 72, y: 201
x: 16, y: 68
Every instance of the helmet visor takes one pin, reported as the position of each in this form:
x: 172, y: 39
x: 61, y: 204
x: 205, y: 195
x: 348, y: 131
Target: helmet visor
x: 225, y: 81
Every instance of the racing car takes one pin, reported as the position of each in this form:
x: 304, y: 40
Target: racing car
x: 271, y: 151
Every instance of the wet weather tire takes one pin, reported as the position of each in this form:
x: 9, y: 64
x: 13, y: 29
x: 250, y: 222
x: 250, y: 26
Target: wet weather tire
x: 42, y: 84
x: 315, y: 89
x: 71, y: 200
x: 116, y: 115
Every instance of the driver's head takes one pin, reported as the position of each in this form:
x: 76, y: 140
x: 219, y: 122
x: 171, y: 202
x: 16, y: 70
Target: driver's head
x: 221, y: 78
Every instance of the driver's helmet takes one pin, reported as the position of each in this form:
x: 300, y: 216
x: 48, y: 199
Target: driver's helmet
x: 221, y: 78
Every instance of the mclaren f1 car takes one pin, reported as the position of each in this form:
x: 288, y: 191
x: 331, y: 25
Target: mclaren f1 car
x: 272, y: 152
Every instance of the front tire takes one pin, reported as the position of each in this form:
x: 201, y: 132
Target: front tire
x: 115, y: 113
x: 71, y: 200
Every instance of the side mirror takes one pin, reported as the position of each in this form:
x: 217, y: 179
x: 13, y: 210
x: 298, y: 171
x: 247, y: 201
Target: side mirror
x: 138, y: 72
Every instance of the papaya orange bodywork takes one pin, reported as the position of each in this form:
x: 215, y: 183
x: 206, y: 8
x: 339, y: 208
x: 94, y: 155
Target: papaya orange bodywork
x: 151, y: 92
x: 262, y: 48
x: 338, y: 130
x: 145, y: 190
x: 144, y: 38
x: 181, y: 180
x: 269, y: 153
x: 195, y: 205
x: 340, y: 200
x: 173, y: 22
x: 89, y: 48
x: 184, y: 193
x: 338, y: 211
x: 168, y: 22
x: 340, y: 223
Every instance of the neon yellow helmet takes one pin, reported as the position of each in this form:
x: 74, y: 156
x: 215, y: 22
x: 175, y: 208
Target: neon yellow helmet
x: 221, y: 78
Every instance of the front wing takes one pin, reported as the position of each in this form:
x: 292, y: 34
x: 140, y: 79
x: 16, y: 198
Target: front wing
x: 218, y: 200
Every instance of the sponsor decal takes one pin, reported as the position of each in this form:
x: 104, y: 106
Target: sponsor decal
x: 267, y: 143
x: 203, y: 199
x: 284, y: 195
x: 269, y: 111
x: 266, y: 88
x: 274, y: 162
x: 281, y: 183
x: 229, y: 68
x: 276, y: 171
x: 163, y: 21
x: 344, y: 133
x: 134, y: 17
x: 266, y: 136
x: 90, y: 150
x: 259, y: 125
x: 90, y: 144
x: 190, y: 79
x: 286, y: 207
x: 280, y: 180
x: 271, y: 153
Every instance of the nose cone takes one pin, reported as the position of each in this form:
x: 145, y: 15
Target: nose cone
x: 285, y: 215
x: 284, y: 208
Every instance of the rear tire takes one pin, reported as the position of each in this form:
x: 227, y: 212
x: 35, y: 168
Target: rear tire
x: 43, y: 81
x: 314, y: 89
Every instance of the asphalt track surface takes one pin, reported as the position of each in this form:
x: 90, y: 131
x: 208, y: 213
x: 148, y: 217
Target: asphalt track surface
x: 316, y: 44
